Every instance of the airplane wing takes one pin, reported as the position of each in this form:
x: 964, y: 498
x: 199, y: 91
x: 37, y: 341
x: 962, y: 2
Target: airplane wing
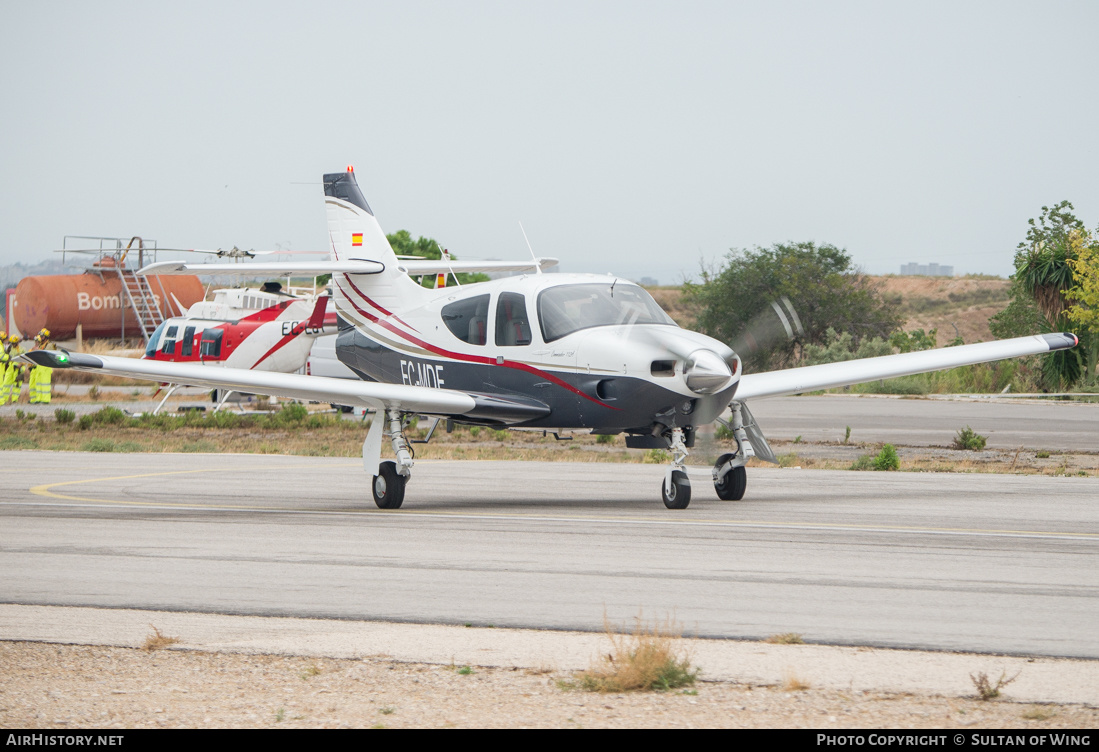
x: 412, y: 399
x: 351, y: 266
x: 830, y: 375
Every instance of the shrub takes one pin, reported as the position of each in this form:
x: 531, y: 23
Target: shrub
x: 865, y: 462
x: 63, y: 416
x: 99, y: 445
x: 294, y: 412
x: 887, y: 458
x: 86, y: 422
x: 647, y: 659
x: 967, y: 438
x: 605, y: 438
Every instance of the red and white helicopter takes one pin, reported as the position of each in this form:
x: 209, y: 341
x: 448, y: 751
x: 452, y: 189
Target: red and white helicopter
x: 554, y: 352
x: 265, y: 329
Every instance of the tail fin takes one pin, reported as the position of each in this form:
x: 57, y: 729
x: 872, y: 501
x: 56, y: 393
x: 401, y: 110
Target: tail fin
x: 354, y: 233
x: 316, y: 321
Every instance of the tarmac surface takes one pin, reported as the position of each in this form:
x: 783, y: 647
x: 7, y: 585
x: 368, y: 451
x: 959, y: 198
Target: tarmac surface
x: 947, y: 562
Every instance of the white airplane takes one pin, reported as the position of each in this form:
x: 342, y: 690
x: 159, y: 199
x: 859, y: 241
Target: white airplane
x: 553, y: 352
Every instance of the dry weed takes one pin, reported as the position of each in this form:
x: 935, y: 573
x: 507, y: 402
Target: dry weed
x: 648, y: 658
x: 986, y: 690
x: 157, y: 640
x: 786, y: 638
x: 792, y: 683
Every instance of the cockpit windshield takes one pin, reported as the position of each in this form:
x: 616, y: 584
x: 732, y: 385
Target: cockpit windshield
x: 568, y: 308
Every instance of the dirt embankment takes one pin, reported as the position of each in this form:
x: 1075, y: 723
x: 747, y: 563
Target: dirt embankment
x: 955, y: 306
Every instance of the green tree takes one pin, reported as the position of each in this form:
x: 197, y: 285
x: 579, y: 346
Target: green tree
x: 735, y: 302
x: 1043, y: 274
x: 428, y: 248
x: 1084, y: 296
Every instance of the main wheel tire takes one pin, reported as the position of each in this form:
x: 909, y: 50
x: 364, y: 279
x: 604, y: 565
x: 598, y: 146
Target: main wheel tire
x: 679, y: 495
x: 735, y: 482
x: 388, y: 487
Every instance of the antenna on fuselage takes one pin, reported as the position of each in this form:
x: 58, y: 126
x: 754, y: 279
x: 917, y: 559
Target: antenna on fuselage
x: 537, y: 266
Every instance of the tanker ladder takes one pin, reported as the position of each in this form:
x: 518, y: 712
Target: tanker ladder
x: 144, y: 303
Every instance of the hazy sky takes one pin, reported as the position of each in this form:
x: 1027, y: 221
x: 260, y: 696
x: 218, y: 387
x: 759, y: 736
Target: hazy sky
x: 628, y: 137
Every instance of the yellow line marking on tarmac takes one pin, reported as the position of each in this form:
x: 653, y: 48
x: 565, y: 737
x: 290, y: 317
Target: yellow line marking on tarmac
x: 45, y: 490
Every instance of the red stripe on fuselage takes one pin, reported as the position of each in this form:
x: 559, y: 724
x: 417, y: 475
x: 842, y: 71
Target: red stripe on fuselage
x: 481, y: 359
x: 372, y: 303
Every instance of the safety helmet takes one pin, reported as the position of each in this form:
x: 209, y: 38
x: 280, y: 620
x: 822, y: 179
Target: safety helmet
x: 3, y: 336
x: 14, y: 339
x: 44, y: 334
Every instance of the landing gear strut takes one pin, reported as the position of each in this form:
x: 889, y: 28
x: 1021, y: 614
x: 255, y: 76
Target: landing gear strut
x: 730, y: 477
x: 389, y: 484
x: 676, y: 490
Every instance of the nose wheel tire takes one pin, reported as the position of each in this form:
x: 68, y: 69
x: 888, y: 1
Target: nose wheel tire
x: 735, y: 482
x: 389, y: 486
x: 678, y: 495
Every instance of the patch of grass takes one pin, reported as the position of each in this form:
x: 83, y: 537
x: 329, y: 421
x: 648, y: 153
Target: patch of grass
x: 797, y: 439
x: 887, y: 459
x: 647, y: 659
x: 786, y: 638
x: 387, y: 710
x: 465, y: 671
x: 723, y: 432
x: 17, y: 442
x: 99, y: 445
x: 606, y: 438
x: 309, y: 673
x: 20, y: 414
x: 1038, y: 713
x: 93, y: 392
x: 1041, y: 454
x: 63, y: 416
x: 157, y: 640
x: 986, y: 689
x: 865, y: 462
x: 280, y: 714
x: 202, y: 445
x: 847, y: 435
x: 657, y: 457
x: 967, y: 438
x: 501, y: 435
x: 788, y: 460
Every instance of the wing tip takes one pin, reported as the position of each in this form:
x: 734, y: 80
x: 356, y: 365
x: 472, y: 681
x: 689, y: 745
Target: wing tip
x: 1061, y: 340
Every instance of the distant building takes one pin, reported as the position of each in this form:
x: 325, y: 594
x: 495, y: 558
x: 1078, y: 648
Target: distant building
x: 927, y: 270
x: 648, y: 282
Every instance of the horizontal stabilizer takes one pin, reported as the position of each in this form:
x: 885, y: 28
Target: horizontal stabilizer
x: 279, y: 268
x: 441, y: 266
x: 844, y: 373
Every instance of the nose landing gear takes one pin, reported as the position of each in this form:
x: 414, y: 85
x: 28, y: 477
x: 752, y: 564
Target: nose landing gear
x: 676, y: 489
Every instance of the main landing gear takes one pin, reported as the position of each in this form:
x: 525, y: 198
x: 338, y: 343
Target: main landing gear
x: 389, y: 484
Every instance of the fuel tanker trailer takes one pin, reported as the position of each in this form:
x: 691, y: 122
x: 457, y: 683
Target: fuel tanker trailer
x: 105, y: 300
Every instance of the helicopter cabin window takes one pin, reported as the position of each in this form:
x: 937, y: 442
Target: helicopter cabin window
x: 566, y: 309
x: 188, y: 342
x: 468, y: 319
x: 210, y: 346
x: 154, y: 341
x: 512, y: 326
x: 169, y: 347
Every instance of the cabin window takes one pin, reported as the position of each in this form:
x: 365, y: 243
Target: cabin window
x: 565, y: 309
x: 154, y: 341
x: 169, y: 347
x: 512, y: 325
x: 211, y: 344
x: 188, y: 345
x: 468, y: 319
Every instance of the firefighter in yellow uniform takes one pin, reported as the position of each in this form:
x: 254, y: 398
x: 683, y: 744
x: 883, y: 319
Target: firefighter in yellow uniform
x: 41, y: 378
x: 13, y: 376
x: 4, y: 358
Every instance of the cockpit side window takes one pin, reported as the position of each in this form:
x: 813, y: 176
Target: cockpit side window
x: 468, y: 319
x: 169, y: 346
x: 512, y: 325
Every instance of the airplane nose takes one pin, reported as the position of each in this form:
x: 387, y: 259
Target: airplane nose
x: 705, y: 372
